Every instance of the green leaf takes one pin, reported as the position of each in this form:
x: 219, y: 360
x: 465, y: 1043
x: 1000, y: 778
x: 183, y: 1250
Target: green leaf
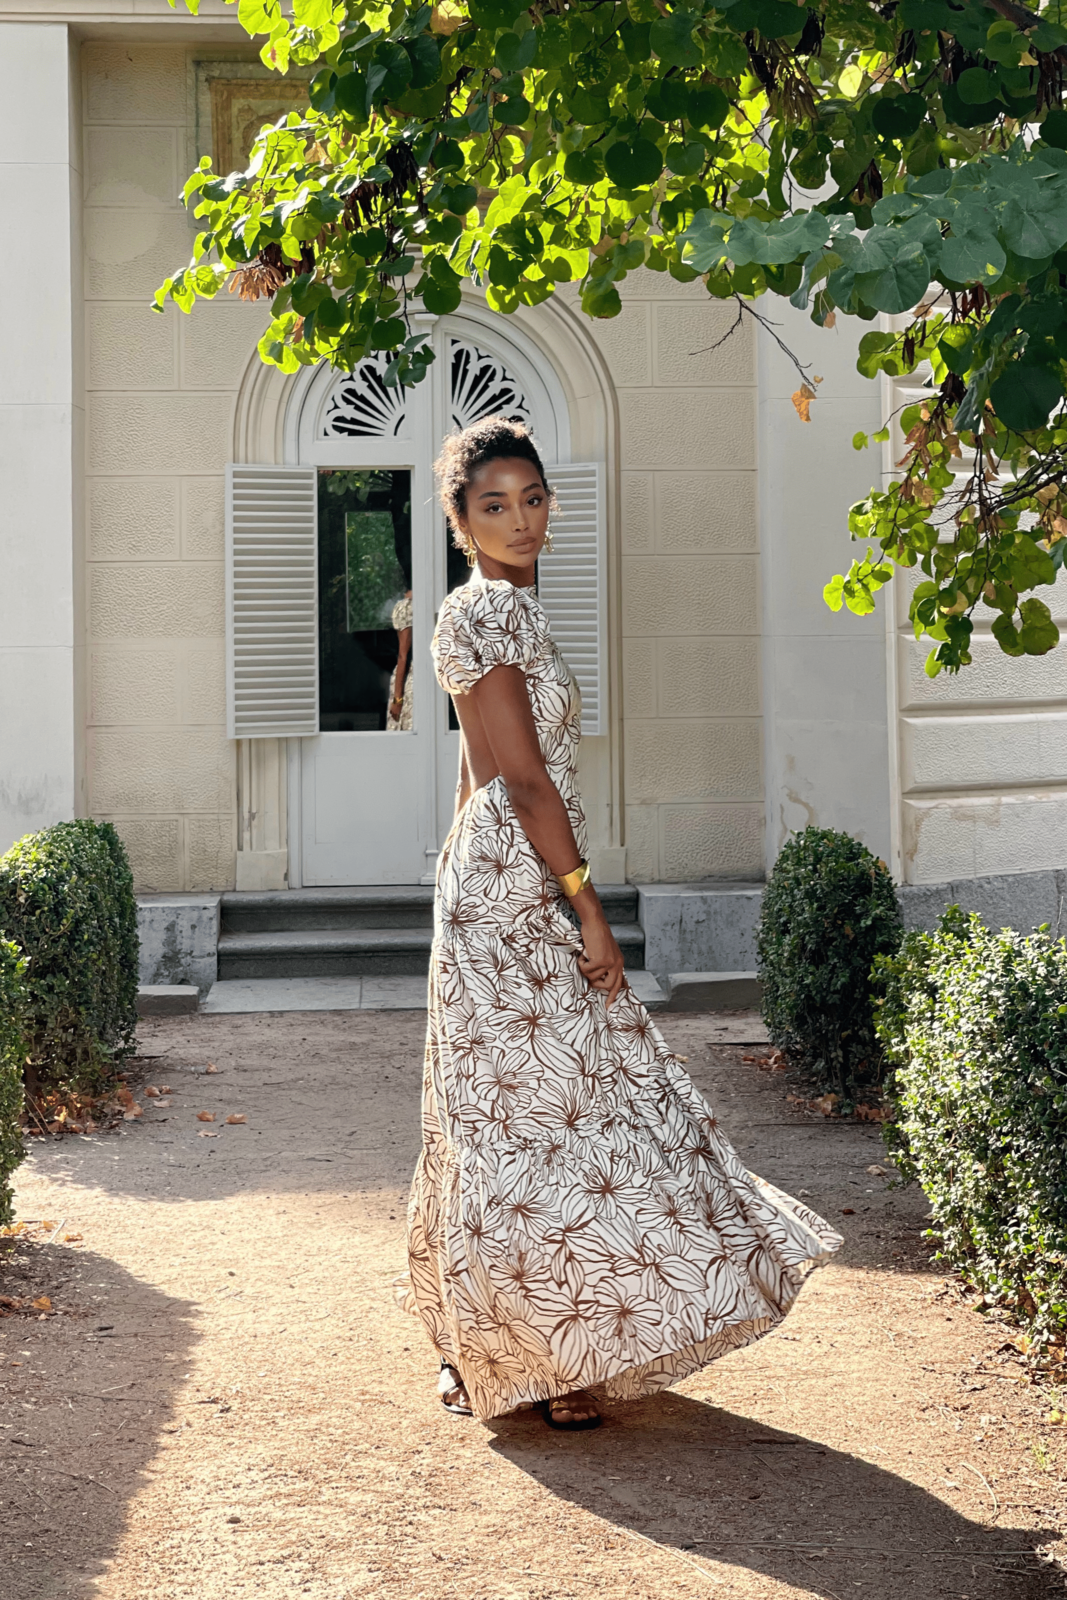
x: 668, y: 99
x: 976, y: 87
x: 459, y: 197
x: 495, y: 13
x: 514, y: 52
x: 898, y: 116
x: 973, y: 258
x: 707, y: 107
x: 1023, y: 396
x: 312, y: 13
x: 702, y: 242
x: 1054, y: 129
x: 425, y: 60
x: 439, y: 298
x: 860, y: 441
x: 1038, y: 634
x: 582, y: 166
x: 672, y: 40
x: 258, y: 16
x: 899, y: 286
x: 633, y: 164
x: 774, y: 19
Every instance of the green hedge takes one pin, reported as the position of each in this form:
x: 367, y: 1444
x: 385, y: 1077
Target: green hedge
x: 829, y: 908
x: 12, y: 1055
x: 66, y: 898
x: 975, y: 1025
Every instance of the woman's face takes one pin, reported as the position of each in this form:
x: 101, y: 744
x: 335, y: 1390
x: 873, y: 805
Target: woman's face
x: 507, y: 511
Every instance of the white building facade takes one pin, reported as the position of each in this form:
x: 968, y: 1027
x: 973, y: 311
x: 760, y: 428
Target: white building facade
x: 165, y: 578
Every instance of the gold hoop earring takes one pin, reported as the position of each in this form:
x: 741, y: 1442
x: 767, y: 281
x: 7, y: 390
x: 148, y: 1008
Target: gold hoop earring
x: 548, y: 539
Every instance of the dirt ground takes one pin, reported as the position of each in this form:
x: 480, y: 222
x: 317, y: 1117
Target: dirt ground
x: 224, y: 1400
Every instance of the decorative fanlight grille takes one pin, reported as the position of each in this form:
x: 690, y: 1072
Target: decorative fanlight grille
x: 482, y: 386
x: 363, y: 406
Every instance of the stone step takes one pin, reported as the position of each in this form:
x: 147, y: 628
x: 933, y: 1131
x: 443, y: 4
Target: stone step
x: 375, y: 908
x: 238, y: 995
x: 354, y: 952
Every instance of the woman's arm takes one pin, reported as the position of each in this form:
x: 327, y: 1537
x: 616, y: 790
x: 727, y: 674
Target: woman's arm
x: 500, y: 737
x: 401, y: 671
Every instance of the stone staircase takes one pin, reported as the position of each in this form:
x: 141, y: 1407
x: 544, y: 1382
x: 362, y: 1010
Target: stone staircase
x: 363, y: 932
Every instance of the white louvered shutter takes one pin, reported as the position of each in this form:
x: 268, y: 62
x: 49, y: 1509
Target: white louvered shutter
x: 271, y: 602
x: 572, y: 586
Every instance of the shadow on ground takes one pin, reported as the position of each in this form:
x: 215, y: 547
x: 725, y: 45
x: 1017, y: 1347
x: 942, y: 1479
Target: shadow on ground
x: 86, y: 1403
x: 718, y: 1486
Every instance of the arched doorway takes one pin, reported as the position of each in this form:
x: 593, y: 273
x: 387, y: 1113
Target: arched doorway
x: 325, y: 546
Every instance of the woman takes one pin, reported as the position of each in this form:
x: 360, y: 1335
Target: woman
x: 578, y: 1219
x: 400, y: 716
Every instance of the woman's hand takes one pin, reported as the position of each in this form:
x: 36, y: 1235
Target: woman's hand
x: 601, y: 959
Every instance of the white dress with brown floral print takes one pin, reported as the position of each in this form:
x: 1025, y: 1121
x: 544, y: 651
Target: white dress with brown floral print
x: 578, y: 1217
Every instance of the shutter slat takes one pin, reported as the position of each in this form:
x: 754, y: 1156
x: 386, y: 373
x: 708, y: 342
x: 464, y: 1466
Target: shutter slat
x: 272, y: 602
x: 572, y: 584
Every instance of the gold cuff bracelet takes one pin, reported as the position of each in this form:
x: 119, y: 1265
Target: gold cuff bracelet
x: 573, y: 883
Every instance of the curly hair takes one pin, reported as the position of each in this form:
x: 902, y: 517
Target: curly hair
x: 492, y: 439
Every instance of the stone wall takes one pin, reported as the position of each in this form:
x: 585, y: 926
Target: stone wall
x: 160, y: 398
x: 692, y: 776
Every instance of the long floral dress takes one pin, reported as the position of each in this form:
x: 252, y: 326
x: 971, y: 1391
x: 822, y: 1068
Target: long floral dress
x: 578, y: 1218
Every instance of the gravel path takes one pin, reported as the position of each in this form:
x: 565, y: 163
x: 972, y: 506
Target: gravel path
x: 223, y: 1400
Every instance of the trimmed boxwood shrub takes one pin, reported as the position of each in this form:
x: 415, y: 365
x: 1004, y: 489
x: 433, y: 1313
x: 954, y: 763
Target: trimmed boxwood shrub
x: 975, y: 1026
x: 66, y: 898
x: 12, y: 1054
x: 829, y: 908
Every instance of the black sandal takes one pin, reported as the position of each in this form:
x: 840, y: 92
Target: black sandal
x: 581, y: 1426
x: 445, y: 1387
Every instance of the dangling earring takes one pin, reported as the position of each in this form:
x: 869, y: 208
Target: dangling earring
x: 472, y: 552
x: 548, y: 539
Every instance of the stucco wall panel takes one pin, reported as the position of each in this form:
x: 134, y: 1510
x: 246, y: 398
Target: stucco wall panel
x: 134, y: 83
x: 684, y: 340
x: 203, y: 518
x: 992, y: 677
x: 132, y: 519
x: 128, y: 253
x: 163, y: 602
x: 638, y: 532
x: 131, y: 167
x: 130, y: 347
x: 154, y: 846
x: 625, y: 342
x: 687, y: 427
x: 693, y: 760
x: 642, y: 843
x: 203, y: 682
x: 134, y: 686
x: 706, y: 511
x: 218, y: 341
x: 211, y: 844
x: 711, y: 842
x: 161, y: 770
x: 695, y: 595
x: 708, y: 677
x: 161, y: 433
x: 639, y: 677
x: 984, y: 835
x: 947, y: 752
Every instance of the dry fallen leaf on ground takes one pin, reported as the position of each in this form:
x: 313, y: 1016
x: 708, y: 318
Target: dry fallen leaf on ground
x: 72, y: 1238
x: 205, y: 1116
x: 238, y: 1116
x: 203, y: 1134
x: 133, y: 1113
x: 151, y: 1091
x: 42, y: 1303
x: 161, y: 1103
x: 211, y: 1067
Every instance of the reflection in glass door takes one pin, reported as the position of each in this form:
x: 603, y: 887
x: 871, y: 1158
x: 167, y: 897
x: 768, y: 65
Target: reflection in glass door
x: 365, y: 602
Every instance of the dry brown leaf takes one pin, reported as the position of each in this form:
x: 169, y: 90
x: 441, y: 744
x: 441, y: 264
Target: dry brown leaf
x: 205, y: 1116
x: 161, y: 1103
x: 133, y: 1113
x: 211, y: 1067
x: 830, y: 320
x: 151, y: 1091
x: 238, y: 1116
x: 42, y: 1303
x: 802, y: 399
x: 72, y: 1238
x: 203, y: 1134
x: 825, y: 1103
x: 876, y: 1171
x: 165, y: 1088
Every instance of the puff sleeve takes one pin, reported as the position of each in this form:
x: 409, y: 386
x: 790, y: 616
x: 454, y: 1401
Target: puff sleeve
x: 482, y: 626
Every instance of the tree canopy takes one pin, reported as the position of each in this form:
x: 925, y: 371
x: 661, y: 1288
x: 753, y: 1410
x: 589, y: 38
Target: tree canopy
x: 906, y: 159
